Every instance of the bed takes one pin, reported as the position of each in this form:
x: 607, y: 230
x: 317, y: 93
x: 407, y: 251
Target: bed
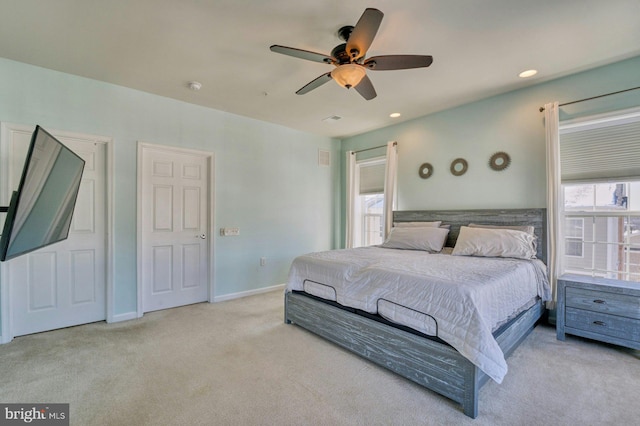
x: 426, y: 341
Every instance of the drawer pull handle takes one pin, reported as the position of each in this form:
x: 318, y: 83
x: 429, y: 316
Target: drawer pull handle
x: 600, y: 323
x: 599, y: 301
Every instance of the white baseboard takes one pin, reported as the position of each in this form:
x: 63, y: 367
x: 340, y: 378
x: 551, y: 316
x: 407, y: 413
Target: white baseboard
x: 134, y: 315
x: 231, y: 296
x: 123, y: 317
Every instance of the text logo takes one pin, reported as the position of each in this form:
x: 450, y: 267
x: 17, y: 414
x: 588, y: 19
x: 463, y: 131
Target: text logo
x: 34, y: 414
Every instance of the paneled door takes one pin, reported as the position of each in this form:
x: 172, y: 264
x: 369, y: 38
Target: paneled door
x: 174, y: 214
x: 63, y: 284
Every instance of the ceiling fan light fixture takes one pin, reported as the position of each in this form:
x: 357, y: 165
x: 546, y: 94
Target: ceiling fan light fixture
x: 348, y: 75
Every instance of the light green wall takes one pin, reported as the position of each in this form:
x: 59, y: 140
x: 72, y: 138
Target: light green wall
x: 267, y: 179
x: 510, y: 122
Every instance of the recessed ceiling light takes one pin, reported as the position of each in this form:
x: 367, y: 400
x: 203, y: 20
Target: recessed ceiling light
x: 394, y: 115
x: 528, y: 73
x: 194, y: 85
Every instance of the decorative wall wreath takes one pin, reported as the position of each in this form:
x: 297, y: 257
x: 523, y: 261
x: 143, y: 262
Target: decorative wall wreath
x: 499, y: 161
x: 459, y: 167
x: 425, y: 171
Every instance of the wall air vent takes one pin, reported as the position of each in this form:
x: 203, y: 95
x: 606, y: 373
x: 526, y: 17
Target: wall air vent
x: 332, y: 119
x: 324, y: 158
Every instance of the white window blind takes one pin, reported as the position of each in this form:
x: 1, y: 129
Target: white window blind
x: 602, y: 149
x: 372, y: 178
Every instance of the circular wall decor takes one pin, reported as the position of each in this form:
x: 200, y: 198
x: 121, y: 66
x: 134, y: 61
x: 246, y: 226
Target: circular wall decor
x: 425, y: 170
x: 459, y: 167
x: 499, y: 161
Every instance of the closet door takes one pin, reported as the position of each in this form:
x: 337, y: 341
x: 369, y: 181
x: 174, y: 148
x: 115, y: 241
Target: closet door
x: 175, y: 242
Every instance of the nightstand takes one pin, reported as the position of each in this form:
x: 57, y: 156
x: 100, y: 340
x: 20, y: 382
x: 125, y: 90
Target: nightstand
x: 599, y: 308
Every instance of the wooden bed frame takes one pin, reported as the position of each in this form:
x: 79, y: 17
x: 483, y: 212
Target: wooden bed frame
x: 434, y: 365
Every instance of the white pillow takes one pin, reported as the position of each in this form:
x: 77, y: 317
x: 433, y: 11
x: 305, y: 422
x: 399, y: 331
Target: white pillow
x: 429, y: 239
x: 434, y: 224
x: 495, y: 243
x: 524, y: 228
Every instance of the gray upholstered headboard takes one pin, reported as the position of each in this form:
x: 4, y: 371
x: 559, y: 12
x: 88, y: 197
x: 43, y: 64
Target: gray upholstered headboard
x: 457, y: 218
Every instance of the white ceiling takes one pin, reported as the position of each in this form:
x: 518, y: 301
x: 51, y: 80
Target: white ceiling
x: 158, y: 46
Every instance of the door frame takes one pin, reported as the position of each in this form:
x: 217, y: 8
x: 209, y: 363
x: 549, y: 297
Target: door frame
x: 210, y: 161
x: 6, y: 328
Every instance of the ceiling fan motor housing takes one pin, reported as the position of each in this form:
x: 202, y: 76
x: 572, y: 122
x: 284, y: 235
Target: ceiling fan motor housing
x: 340, y: 54
x: 345, y: 32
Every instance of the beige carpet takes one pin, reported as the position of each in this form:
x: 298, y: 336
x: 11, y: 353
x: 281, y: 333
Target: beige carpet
x: 237, y: 363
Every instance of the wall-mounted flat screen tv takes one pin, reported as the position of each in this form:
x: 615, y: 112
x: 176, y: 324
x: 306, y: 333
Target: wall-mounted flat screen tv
x: 41, y: 209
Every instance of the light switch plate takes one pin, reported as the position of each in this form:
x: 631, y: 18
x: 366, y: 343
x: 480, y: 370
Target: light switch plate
x: 229, y: 232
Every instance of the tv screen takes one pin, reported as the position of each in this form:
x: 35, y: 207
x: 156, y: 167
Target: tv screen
x: 41, y: 209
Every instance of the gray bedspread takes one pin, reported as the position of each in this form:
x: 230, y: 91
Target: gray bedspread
x: 462, y: 299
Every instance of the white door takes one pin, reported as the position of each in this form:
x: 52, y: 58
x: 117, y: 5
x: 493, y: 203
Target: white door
x: 174, y: 214
x: 63, y: 284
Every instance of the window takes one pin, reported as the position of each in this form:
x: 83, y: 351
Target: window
x: 600, y: 211
x: 369, y: 212
x: 370, y: 187
x: 574, y: 237
x: 601, y: 231
x: 372, y: 207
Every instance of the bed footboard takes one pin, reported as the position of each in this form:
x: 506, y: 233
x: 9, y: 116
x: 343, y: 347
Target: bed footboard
x: 436, y: 366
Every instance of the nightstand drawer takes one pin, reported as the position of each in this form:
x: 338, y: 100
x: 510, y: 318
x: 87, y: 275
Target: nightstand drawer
x: 607, y: 325
x: 603, y: 302
x: 598, y: 308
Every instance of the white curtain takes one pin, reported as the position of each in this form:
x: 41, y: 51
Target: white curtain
x: 352, y: 193
x: 554, y: 199
x: 390, y: 186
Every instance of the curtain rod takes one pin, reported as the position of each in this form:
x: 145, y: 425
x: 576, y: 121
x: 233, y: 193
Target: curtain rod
x: 595, y: 97
x: 375, y: 147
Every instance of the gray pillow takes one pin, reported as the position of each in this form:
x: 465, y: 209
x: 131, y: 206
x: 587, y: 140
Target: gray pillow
x: 524, y: 228
x: 491, y: 242
x: 416, y: 224
x: 429, y: 239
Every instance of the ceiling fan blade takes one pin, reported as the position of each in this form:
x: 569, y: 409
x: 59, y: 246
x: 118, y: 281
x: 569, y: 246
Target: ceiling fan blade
x: 314, y: 84
x: 365, y: 88
x: 363, y: 33
x: 302, y: 54
x: 397, y: 62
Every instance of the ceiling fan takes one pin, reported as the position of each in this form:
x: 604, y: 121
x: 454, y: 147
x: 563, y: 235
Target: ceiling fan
x: 349, y: 57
